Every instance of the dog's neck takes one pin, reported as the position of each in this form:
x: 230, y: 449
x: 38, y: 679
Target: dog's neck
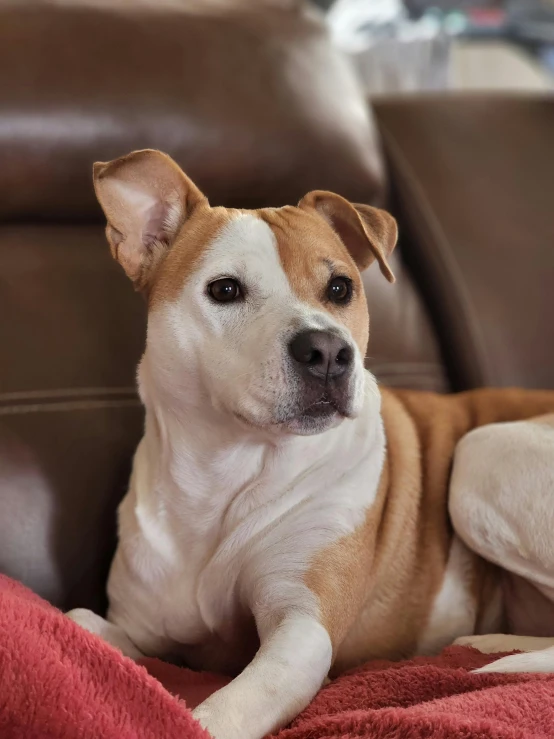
x: 201, y: 459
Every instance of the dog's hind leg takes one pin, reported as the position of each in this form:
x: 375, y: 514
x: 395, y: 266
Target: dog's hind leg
x: 109, y: 632
x: 502, y: 507
x: 538, y: 652
x: 539, y: 661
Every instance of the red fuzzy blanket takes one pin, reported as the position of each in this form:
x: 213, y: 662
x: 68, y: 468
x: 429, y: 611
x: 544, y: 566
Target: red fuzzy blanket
x: 58, y: 681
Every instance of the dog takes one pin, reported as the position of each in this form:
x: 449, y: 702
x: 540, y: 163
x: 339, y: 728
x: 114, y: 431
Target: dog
x: 286, y: 518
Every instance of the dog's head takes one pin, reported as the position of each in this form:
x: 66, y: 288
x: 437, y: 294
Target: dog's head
x: 259, y: 313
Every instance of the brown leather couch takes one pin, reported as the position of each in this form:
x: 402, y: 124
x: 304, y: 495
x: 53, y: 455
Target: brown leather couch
x: 258, y: 110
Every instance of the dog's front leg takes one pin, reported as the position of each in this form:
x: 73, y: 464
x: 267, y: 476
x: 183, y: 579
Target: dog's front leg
x: 286, y: 673
x: 106, y: 630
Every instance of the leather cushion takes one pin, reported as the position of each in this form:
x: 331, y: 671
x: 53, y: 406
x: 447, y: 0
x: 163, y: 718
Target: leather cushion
x: 64, y: 466
x: 257, y: 107
x: 69, y: 317
x: 403, y: 348
x: 473, y: 182
x: 71, y: 333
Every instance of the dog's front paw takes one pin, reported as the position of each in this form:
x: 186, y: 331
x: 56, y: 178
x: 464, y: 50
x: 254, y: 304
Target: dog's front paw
x: 488, y: 643
x: 220, y: 727
x: 110, y: 633
x: 86, y: 619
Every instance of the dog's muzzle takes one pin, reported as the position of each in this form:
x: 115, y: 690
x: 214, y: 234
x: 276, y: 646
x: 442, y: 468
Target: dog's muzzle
x: 323, y: 360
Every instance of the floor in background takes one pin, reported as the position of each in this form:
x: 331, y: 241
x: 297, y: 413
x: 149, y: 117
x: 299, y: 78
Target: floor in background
x: 492, y: 65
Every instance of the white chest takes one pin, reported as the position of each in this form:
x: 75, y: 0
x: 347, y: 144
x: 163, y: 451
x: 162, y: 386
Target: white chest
x: 159, y: 604
x: 188, y: 570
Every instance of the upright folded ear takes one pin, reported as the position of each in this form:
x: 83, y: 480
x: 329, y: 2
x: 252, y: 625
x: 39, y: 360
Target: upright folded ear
x: 146, y: 198
x: 368, y: 233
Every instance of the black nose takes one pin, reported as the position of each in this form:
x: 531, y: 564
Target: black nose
x: 321, y: 353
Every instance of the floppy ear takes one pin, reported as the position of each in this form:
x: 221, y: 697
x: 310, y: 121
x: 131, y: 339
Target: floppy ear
x: 146, y: 198
x: 368, y: 233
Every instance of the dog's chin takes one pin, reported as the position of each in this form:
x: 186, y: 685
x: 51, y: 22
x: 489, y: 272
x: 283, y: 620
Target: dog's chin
x: 311, y: 422
x: 315, y: 419
x: 318, y: 417
x: 302, y: 416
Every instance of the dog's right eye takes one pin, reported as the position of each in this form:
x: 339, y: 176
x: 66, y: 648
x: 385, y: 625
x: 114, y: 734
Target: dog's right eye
x: 225, y: 290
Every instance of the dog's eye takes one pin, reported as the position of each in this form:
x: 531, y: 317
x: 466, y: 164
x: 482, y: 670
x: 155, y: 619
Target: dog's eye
x: 339, y: 290
x: 225, y: 290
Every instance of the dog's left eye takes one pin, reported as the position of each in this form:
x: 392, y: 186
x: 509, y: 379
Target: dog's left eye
x: 339, y: 290
x: 225, y: 290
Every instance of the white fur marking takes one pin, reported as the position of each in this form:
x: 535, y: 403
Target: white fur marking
x: 454, y: 610
x: 502, y: 505
x: 542, y: 661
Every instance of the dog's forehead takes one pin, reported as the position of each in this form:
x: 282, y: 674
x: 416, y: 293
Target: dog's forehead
x: 309, y: 250
x: 274, y: 242
x: 302, y: 242
x: 305, y: 243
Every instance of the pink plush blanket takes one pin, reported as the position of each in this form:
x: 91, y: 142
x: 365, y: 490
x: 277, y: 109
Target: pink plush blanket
x: 59, y: 682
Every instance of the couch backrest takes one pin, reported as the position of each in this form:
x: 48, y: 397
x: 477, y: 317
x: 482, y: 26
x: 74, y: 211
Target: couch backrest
x: 255, y: 106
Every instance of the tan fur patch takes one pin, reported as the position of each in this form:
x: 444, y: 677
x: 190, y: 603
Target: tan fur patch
x: 340, y: 575
x: 198, y: 232
x: 311, y: 253
x: 547, y: 420
x: 377, y: 587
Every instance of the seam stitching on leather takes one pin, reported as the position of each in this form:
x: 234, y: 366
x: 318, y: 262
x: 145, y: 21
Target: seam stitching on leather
x: 84, y: 405
x: 65, y: 393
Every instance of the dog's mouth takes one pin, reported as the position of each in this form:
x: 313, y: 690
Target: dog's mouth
x: 311, y: 418
x: 322, y: 408
x: 331, y: 405
x: 312, y: 411
x: 320, y: 415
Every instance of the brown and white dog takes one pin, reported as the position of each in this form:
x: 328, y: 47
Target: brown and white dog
x: 286, y: 517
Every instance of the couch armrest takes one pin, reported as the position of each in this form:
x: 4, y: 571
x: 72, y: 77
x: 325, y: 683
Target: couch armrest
x: 473, y: 188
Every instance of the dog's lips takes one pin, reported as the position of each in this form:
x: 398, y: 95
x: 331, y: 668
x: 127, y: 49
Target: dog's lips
x: 317, y: 416
x: 322, y: 408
